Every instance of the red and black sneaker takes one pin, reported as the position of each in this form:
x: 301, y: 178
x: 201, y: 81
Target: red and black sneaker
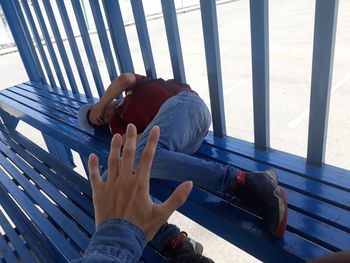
x: 182, y: 244
x: 260, y: 191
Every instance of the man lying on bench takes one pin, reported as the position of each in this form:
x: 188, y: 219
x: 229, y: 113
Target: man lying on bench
x: 184, y: 120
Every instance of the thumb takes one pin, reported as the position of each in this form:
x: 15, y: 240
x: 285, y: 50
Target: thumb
x: 177, y: 198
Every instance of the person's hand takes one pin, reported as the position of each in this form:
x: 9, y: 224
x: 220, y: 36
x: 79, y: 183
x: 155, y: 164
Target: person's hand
x: 126, y: 195
x: 96, y: 114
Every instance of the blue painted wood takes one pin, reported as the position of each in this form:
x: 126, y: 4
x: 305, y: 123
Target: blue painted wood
x: 6, y: 252
x: 25, y: 29
x: 48, y: 42
x: 15, y: 240
x: 101, y: 31
x: 9, y: 120
x: 73, y: 105
x: 319, y: 210
x: 41, y: 221
x: 81, y: 218
x: 20, y: 39
x: 82, y: 98
x: 56, y: 115
x: 43, y: 100
x: 259, y: 24
x: 39, y: 43
x: 212, y: 54
x: 64, y: 176
x: 328, y: 174
x: 73, y: 45
x: 36, y: 241
x: 118, y: 35
x: 240, y: 228
x: 289, y: 180
x: 60, y: 45
x: 59, y: 150
x: 88, y: 46
x: 172, y: 31
x: 67, y: 225
x: 75, y: 139
x: 142, y: 32
x: 321, y: 80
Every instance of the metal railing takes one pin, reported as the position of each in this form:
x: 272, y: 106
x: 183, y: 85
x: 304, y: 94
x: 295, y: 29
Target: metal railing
x: 41, y: 68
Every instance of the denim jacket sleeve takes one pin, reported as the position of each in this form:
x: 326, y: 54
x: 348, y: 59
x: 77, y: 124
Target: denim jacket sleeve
x: 115, y: 240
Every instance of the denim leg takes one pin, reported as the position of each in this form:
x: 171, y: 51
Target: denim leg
x: 184, y: 120
x: 164, y: 234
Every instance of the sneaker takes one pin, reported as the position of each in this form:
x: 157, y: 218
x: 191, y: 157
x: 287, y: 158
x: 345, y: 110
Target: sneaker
x: 182, y: 244
x: 260, y: 191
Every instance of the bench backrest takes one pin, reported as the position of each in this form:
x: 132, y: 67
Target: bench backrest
x: 40, y: 68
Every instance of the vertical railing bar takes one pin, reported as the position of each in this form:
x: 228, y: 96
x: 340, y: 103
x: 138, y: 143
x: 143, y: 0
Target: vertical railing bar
x: 259, y: 23
x: 48, y: 42
x: 20, y: 40
x: 30, y: 42
x: 212, y: 54
x: 60, y: 45
x: 73, y: 45
x: 321, y: 80
x: 39, y: 44
x: 173, y: 37
x: 88, y: 46
x: 118, y: 35
x: 102, y: 35
x: 142, y: 32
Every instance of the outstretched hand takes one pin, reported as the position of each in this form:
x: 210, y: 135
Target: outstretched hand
x: 126, y: 195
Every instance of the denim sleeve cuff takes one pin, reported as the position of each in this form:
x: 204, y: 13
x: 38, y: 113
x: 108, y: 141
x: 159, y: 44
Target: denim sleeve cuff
x: 118, y: 238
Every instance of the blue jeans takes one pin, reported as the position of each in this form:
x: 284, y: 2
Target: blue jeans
x: 184, y: 120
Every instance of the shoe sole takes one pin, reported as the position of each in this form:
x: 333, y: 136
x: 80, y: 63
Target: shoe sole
x: 282, y: 202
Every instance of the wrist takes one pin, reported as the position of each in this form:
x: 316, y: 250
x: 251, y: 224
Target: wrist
x: 118, y: 238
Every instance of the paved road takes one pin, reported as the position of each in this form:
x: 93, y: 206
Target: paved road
x: 291, y: 36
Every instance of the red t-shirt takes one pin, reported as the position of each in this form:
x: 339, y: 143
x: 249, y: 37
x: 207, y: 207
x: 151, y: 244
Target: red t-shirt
x: 142, y: 103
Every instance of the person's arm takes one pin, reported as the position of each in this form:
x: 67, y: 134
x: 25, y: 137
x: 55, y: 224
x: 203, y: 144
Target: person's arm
x: 337, y: 257
x: 125, y: 216
x: 116, y: 88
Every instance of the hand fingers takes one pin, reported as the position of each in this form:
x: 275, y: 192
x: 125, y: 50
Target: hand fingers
x: 177, y: 198
x: 129, y: 150
x: 114, y: 157
x: 94, y: 172
x: 144, y: 167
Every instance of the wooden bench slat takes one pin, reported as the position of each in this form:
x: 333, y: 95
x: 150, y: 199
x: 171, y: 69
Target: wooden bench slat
x: 51, y: 112
x: 35, y: 240
x: 18, y: 244
x: 86, y: 222
x: 5, y: 251
x: 240, y: 228
x: 74, y: 138
x: 70, y: 177
x: 293, y: 181
x: 68, y: 102
x: 40, y: 220
x: 59, y: 181
x: 44, y: 109
x: 72, y: 112
x: 322, y: 211
x: 328, y: 174
x: 64, y: 93
x: 51, y: 210
x: 318, y: 232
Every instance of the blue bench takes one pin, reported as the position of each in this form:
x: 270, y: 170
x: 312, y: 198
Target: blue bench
x: 50, y: 205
